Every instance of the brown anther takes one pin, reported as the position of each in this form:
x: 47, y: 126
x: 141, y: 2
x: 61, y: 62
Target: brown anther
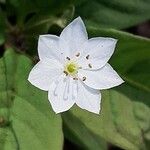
x: 68, y: 58
x: 84, y: 78
x: 90, y: 66
x: 87, y: 57
x: 66, y: 73
x: 78, y: 54
x: 75, y: 78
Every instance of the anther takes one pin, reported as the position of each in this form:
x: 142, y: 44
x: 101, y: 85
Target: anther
x: 75, y: 78
x: 68, y: 58
x: 87, y: 57
x: 78, y: 54
x: 66, y: 73
x: 90, y: 66
x: 84, y: 78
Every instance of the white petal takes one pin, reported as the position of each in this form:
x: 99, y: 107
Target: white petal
x: 44, y: 72
x: 99, y: 50
x: 73, y: 36
x: 48, y: 47
x: 60, y: 94
x: 88, y: 98
x: 103, y: 78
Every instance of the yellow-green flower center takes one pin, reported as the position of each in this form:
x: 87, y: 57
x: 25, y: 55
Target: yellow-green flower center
x: 71, y: 68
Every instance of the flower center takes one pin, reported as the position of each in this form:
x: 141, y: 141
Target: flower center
x: 71, y: 68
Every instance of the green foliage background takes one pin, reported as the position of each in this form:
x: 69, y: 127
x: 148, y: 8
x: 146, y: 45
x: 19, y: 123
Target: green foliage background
x: 27, y: 121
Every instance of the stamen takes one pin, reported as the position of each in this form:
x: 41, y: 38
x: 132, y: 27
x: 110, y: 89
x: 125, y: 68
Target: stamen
x: 68, y: 58
x: 84, y: 78
x: 90, y: 66
x: 75, y: 78
x: 66, y: 73
x: 78, y: 54
x: 87, y: 57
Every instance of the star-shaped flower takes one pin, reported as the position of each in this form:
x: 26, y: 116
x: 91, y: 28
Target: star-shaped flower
x: 73, y: 69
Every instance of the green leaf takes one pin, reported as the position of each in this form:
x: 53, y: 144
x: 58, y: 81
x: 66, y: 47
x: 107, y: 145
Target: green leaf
x: 117, y: 122
x: 75, y: 130
x: 36, y: 7
x: 27, y: 120
x: 44, y: 22
x: 114, y: 13
x: 124, y: 118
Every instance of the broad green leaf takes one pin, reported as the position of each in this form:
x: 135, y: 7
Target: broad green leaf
x: 117, y: 123
x: 76, y: 131
x: 114, y: 13
x: 7, y: 139
x: 44, y: 22
x: 27, y: 119
x: 124, y: 118
x: 36, y: 7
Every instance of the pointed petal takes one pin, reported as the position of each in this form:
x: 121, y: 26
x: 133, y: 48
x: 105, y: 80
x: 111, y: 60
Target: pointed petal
x: 73, y: 36
x: 44, y: 72
x: 99, y: 50
x: 103, y: 78
x: 88, y: 98
x: 60, y: 94
x: 48, y: 47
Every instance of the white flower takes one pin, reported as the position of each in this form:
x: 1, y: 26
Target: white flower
x: 73, y: 68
